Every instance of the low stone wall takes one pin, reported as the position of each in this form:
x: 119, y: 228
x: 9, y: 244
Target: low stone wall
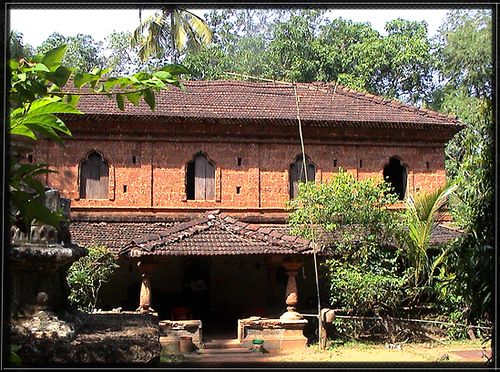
x: 277, y: 334
x: 104, y: 338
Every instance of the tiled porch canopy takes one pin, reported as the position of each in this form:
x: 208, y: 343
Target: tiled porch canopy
x: 217, y: 234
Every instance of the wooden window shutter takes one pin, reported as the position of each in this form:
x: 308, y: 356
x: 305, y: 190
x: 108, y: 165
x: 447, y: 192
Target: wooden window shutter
x: 297, y: 174
x: 94, y: 178
x: 200, y: 164
x: 200, y: 179
x: 209, y: 181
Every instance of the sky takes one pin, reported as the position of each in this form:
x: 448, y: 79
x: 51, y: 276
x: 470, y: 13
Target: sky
x: 37, y: 24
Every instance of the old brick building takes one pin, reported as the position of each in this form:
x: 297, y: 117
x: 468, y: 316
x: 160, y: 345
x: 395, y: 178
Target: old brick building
x: 142, y: 181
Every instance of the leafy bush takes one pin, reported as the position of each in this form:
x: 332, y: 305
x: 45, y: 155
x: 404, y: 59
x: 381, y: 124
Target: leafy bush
x: 364, y: 290
x: 86, y: 276
x: 351, y: 218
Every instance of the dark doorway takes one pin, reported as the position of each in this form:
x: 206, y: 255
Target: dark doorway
x: 396, y: 174
x: 196, y: 286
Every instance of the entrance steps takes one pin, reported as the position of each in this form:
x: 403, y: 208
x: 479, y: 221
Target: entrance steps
x: 223, y: 346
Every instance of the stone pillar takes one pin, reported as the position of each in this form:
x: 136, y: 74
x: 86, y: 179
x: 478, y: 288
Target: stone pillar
x: 146, y: 270
x: 292, y: 296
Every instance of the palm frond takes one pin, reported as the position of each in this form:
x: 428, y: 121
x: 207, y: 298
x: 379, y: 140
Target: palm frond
x: 423, y: 214
x: 179, y: 31
x: 200, y: 29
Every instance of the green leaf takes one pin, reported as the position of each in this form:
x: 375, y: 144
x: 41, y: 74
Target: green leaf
x: 22, y: 130
x: 72, y: 99
x: 163, y: 75
x: 42, y: 214
x: 52, y: 108
x: 149, y: 97
x: 34, y: 184
x: 113, y: 82
x: 134, y: 97
x: 20, y: 78
x: 141, y: 76
x: 40, y: 67
x: 46, y: 121
x: 53, y: 57
x: 175, y: 69
x: 45, y: 131
x: 13, y: 64
x: 14, y: 358
x: 83, y: 78
x: 120, y: 101
x: 60, y: 76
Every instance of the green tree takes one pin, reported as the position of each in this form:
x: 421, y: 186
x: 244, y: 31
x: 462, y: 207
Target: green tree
x: 405, y: 64
x: 85, y: 276
x: 341, y: 48
x: 170, y: 29
x: 305, y: 46
x: 351, y: 218
x: 292, y: 49
x: 17, y: 48
x: 83, y: 53
x: 464, y: 47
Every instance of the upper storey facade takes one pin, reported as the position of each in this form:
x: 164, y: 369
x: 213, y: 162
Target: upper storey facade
x: 234, y: 146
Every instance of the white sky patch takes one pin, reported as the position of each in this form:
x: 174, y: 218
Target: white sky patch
x: 37, y: 24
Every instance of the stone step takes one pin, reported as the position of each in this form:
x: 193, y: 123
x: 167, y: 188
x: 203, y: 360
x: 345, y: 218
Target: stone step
x: 223, y: 344
x: 232, y: 350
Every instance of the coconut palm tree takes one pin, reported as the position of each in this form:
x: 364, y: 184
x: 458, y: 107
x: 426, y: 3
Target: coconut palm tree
x: 423, y: 213
x: 170, y: 28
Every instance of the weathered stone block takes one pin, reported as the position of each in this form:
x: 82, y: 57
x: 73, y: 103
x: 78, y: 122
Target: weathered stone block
x: 183, y: 328
x: 276, y: 333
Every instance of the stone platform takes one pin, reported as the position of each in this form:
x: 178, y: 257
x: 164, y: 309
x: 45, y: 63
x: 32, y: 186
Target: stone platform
x: 278, y: 334
x: 183, y: 328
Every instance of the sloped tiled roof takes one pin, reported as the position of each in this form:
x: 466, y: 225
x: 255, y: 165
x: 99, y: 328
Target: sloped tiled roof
x: 113, y: 235
x: 117, y: 235
x: 441, y: 234
x: 216, y: 234
x: 320, y: 104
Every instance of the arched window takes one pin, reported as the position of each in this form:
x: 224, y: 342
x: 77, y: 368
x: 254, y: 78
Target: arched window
x: 396, y: 174
x: 297, y: 174
x: 94, y: 177
x: 200, y: 178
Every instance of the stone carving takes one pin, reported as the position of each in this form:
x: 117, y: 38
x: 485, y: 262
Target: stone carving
x: 47, y: 330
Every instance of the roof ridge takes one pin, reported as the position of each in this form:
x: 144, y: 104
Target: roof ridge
x: 269, y: 235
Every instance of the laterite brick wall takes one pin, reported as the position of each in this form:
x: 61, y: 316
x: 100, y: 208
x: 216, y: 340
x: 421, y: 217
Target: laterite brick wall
x: 157, y: 179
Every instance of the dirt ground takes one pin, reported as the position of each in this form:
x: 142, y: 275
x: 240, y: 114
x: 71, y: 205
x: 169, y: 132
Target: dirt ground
x: 463, y: 351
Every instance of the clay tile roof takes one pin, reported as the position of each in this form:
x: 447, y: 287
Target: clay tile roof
x: 206, y: 236
x: 114, y: 235
x: 320, y: 104
x: 215, y: 236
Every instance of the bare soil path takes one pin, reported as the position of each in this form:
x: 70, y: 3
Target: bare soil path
x: 447, y: 352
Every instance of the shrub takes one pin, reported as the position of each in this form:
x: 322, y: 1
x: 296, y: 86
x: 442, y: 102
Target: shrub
x: 86, y: 276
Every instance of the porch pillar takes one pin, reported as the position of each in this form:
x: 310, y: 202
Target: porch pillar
x: 292, y: 296
x: 146, y: 270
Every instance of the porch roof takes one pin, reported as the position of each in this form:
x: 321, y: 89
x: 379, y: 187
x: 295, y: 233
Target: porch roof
x: 119, y: 235
x: 217, y: 234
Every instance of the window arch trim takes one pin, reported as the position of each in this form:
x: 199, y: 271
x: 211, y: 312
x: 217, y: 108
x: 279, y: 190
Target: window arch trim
x: 298, y: 161
x: 107, y: 194
x: 200, y: 181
